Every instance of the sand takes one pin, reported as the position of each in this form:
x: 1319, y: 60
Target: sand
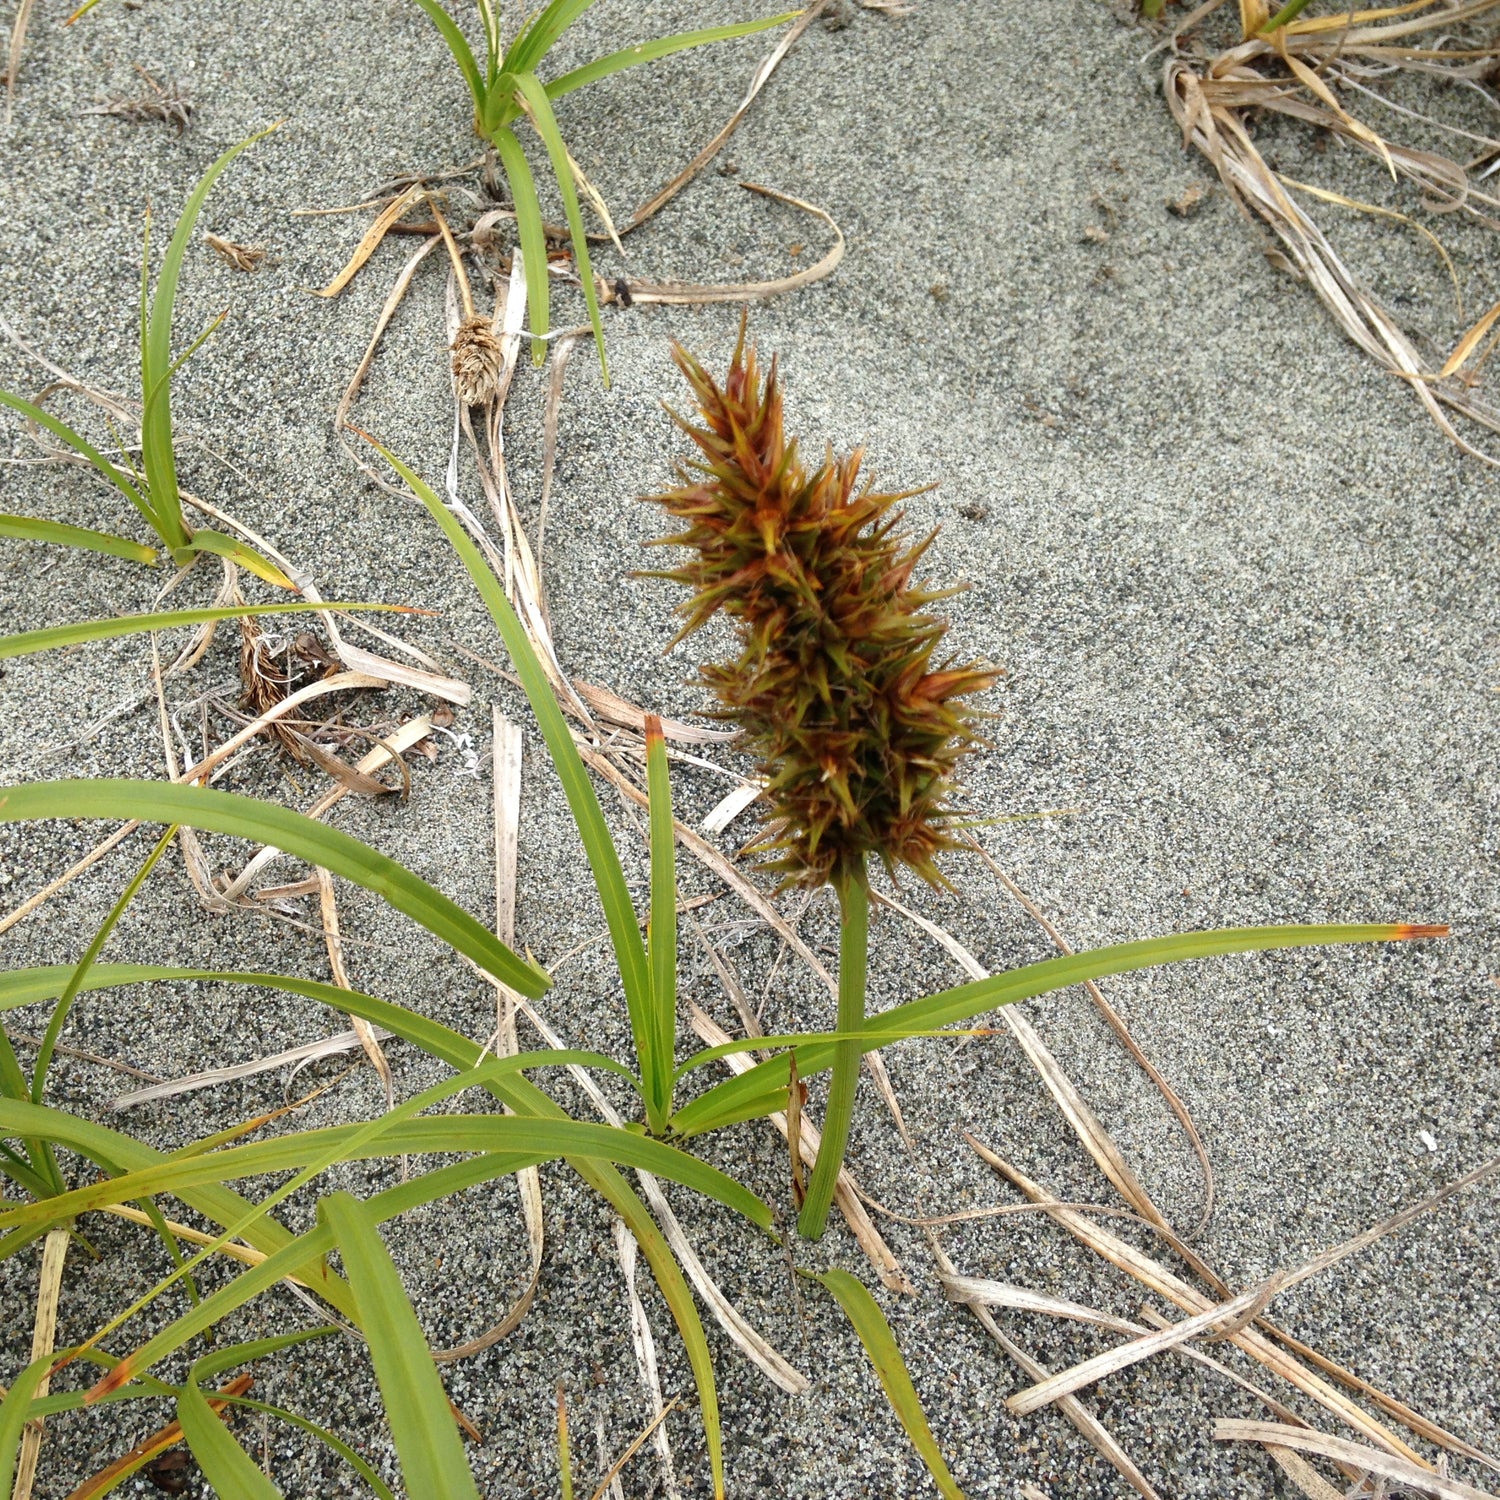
x: 1243, y: 590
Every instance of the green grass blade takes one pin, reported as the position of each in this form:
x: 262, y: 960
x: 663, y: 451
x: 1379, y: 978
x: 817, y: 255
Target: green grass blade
x: 854, y: 931
x: 303, y: 838
x: 85, y: 449
x: 644, y: 52
x: 951, y: 1007
x: 662, y: 930
x: 114, y: 1152
x: 14, y: 1411
x: 330, y: 1440
x: 157, y: 457
x: 529, y: 86
x: 229, y: 1470
x: 530, y: 230
x: 537, y: 38
x: 52, y: 637
x: 81, y: 971
x: 1287, y: 13
x: 458, y: 45
x: 525, y: 1098
x: 604, y: 860
x: 25, y: 529
x: 522, y: 1141
x: 25, y: 986
x: 39, y: 1150
x: 237, y: 553
x: 302, y: 1257
x: 426, y: 1436
x: 875, y: 1334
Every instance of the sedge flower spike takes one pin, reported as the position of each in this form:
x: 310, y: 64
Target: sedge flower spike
x: 856, y: 732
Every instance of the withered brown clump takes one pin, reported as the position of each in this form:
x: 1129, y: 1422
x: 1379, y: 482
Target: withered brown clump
x: 856, y: 733
x: 478, y: 362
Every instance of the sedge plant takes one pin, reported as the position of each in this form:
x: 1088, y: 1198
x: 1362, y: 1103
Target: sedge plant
x: 152, y: 488
x: 506, y: 89
x: 856, y: 732
x: 37, y: 1138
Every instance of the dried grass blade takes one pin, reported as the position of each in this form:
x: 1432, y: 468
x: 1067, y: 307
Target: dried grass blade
x: 389, y: 749
x: 1469, y: 343
x: 1088, y: 1425
x: 89, y: 860
x: 975, y: 1293
x: 1235, y: 1312
x: 1413, y: 1421
x: 293, y: 1057
x: 1372, y: 1461
x: 611, y: 1481
x: 1086, y: 1125
x: 1116, y: 1024
x: 1390, y: 213
x: 329, y: 910
x: 372, y: 238
x: 724, y: 812
x: 13, y: 56
x: 508, y: 744
x: 1302, y: 1474
x: 768, y: 66
x: 110, y: 1477
x: 614, y: 709
x: 692, y: 294
x: 387, y: 312
x: 44, y: 1332
x: 645, y: 1357
x: 562, y: 352
x: 1165, y: 1284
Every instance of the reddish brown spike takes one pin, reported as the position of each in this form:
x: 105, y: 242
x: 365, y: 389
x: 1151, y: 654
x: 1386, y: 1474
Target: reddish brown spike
x: 834, y: 685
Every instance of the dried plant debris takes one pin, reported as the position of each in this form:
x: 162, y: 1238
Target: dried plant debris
x: 1189, y: 201
x: 164, y: 103
x: 478, y: 362
x: 240, y: 257
x: 1336, y: 75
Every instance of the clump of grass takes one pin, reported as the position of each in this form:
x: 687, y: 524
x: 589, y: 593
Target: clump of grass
x: 506, y: 90
x: 153, y: 487
x: 856, y: 732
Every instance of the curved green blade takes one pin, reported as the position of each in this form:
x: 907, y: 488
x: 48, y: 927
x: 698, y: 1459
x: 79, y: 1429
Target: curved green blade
x: 229, y: 1470
x: 304, y: 838
x: 661, y: 944
x: 157, y: 457
x: 416, y: 1406
x: 84, y: 448
x: 880, y: 1344
x: 237, y: 552
x: 51, y: 637
x: 27, y: 529
x: 521, y: 1140
x: 458, y: 45
x: 530, y: 230
x: 726, y: 1100
x: 539, y: 107
x: 644, y: 52
x: 583, y: 802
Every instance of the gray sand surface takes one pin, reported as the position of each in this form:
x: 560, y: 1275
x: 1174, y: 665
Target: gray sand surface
x: 1244, y: 591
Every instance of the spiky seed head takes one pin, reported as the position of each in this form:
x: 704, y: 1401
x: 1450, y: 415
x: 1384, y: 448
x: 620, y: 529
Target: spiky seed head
x: 478, y: 362
x: 856, y: 731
